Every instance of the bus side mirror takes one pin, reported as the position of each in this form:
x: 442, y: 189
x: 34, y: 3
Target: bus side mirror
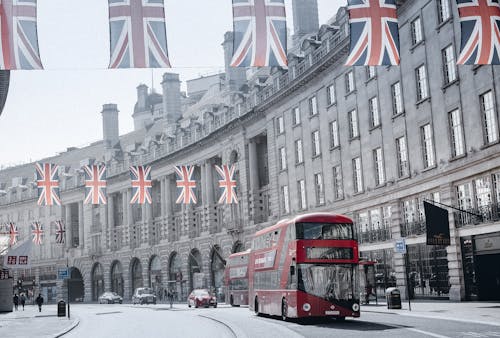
x: 292, y: 270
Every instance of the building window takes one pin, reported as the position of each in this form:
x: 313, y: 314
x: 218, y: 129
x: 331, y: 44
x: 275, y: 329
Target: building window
x: 296, y: 116
x: 457, y: 134
x: 416, y: 31
x: 397, y: 100
x: 334, y: 134
x: 378, y: 162
x: 338, y: 184
x: 374, y: 112
x: 449, y: 66
x: 299, y: 155
x: 349, y: 82
x: 316, y: 143
x: 313, y: 106
x: 444, y: 10
x: 427, y: 146
x: 357, y: 175
x: 286, y: 199
x: 280, y: 125
x: 421, y: 77
x: 489, y: 118
x: 353, y: 124
x: 403, y: 167
x: 301, y: 187
x: 330, y: 94
x: 319, y: 188
x: 282, y: 153
x: 370, y: 72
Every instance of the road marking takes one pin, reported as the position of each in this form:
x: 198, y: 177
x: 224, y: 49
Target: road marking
x: 107, y: 313
x: 427, y: 333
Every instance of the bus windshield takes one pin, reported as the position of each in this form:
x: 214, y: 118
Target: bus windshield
x: 330, y: 282
x: 324, y: 231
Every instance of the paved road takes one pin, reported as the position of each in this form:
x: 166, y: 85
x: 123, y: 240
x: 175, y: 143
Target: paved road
x: 159, y: 321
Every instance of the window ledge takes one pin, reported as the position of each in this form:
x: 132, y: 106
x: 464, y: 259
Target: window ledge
x: 296, y: 125
x: 299, y: 164
x: 421, y: 42
x: 419, y: 102
x: 328, y: 106
x: 444, y: 23
x: 283, y: 171
x: 316, y: 156
x: 313, y: 116
x: 354, y: 91
x: 429, y: 168
x: 354, y: 138
x: 378, y: 126
x: 370, y: 80
x: 335, y: 148
x: 398, y: 115
x: 449, y: 84
x: 358, y: 193
x: 456, y: 158
x: 402, y: 178
x: 490, y: 145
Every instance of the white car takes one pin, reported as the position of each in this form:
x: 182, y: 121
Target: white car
x: 143, y: 296
x: 110, y: 298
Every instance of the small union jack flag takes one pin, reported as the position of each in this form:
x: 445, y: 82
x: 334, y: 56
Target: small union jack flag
x: 47, y: 181
x: 227, y: 183
x: 60, y: 232
x: 259, y: 38
x: 37, y: 232
x: 480, y: 22
x: 19, y: 41
x: 374, y: 33
x: 141, y: 184
x: 138, y: 34
x: 95, y: 184
x: 186, y: 184
x: 13, y: 234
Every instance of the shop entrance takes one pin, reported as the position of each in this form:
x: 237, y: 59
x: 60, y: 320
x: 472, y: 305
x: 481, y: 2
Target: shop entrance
x: 488, y: 276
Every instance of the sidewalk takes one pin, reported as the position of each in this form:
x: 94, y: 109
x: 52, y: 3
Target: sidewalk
x: 31, y: 323
x: 473, y: 312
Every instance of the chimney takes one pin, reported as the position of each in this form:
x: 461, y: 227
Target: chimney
x: 110, y: 125
x: 235, y: 76
x: 305, y: 19
x: 142, y: 95
x: 171, y: 97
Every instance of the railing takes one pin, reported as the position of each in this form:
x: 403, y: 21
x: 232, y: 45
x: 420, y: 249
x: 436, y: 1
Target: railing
x: 376, y: 235
x: 413, y: 228
x: 485, y: 214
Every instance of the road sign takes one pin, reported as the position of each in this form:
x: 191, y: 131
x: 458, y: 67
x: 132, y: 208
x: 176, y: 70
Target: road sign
x: 400, y: 246
x: 62, y: 273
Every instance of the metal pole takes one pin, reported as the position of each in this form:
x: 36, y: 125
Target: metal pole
x: 407, y: 278
x: 67, y: 284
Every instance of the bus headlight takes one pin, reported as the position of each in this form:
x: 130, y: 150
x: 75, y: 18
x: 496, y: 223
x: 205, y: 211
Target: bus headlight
x: 306, y: 307
x: 355, y: 307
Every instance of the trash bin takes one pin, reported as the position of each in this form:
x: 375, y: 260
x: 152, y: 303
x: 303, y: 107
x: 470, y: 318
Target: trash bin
x: 61, y: 308
x: 393, y: 297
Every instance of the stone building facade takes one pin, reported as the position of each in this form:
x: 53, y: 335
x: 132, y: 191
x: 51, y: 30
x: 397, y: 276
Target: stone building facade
x: 369, y: 142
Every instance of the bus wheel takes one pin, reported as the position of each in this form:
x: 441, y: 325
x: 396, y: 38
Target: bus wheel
x: 256, y: 306
x: 284, y: 309
x: 231, y: 300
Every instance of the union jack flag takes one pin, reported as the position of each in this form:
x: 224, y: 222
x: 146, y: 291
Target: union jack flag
x: 374, y: 33
x: 259, y: 38
x: 480, y: 22
x: 13, y: 234
x: 19, y: 41
x: 227, y: 183
x: 186, y: 184
x: 60, y: 232
x: 141, y: 184
x: 37, y: 232
x: 95, y: 184
x: 138, y: 38
x: 47, y: 181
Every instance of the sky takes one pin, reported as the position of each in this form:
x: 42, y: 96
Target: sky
x: 50, y: 110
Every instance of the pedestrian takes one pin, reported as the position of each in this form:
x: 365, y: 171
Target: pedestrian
x: 23, y: 300
x: 16, y: 301
x: 368, y: 292
x: 39, y: 301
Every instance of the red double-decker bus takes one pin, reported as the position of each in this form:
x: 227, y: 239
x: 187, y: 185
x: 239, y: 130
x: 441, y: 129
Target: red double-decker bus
x: 236, y: 278
x: 305, y: 267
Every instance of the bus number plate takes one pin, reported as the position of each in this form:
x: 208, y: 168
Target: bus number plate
x: 332, y: 313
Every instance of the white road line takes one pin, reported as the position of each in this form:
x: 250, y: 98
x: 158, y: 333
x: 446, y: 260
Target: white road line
x: 427, y: 333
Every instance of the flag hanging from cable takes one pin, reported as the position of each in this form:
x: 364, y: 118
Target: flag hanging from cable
x: 18, y: 257
x: 47, y: 181
x: 186, y: 185
x: 227, y: 184
x: 138, y: 37
x: 374, y: 33
x: 480, y: 26
x: 259, y: 38
x: 60, y: 232
x: 95, y: 184
x: 13, y: 234
x: 37, y: 232
x: 141, y: 184
x: 18, y: 30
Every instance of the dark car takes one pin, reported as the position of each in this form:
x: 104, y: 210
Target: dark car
x: 110, y: 298
x: 201, y: 297
x: 143, y: 296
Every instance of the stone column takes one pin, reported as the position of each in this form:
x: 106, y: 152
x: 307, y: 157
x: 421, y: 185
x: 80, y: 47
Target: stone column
x: 209, y: 186
x: 203, y: 196
x: 81, y: 224
x: 253, y: 166
x: 111, y: 220
x: 168, y: 197
x: 162, y: 197
x: 399, y: 259
x: 69, y: 243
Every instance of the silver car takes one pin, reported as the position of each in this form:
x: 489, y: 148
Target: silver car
x: 143, y: 296
x: 110, y: 298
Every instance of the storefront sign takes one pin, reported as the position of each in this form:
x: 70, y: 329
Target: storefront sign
x: 487, y: 244
x: 437, y: 224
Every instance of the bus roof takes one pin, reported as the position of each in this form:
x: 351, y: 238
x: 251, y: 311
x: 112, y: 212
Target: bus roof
x: 241, y: 253
x: 311, y: 217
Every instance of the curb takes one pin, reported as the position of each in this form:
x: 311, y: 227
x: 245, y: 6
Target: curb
x: 62, y: 333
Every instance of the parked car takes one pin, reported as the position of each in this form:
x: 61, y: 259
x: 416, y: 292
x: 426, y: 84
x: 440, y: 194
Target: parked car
x: 110, y: 298
x: 201, y: 297
x: 143, y: 296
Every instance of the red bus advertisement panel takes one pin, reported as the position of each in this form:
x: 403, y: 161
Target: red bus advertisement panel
x: 236, y: 278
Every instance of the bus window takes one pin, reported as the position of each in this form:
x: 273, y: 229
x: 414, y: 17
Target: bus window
x: 324, y: 231
x: 333, y: 282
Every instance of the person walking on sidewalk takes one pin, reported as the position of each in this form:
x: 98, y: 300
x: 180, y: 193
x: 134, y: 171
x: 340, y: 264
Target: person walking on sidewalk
x: 23, y: 300
x: 16, y: 301
x: 39, y: 301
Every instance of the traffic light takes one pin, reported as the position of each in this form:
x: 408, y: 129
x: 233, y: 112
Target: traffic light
x: 19, y: 283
